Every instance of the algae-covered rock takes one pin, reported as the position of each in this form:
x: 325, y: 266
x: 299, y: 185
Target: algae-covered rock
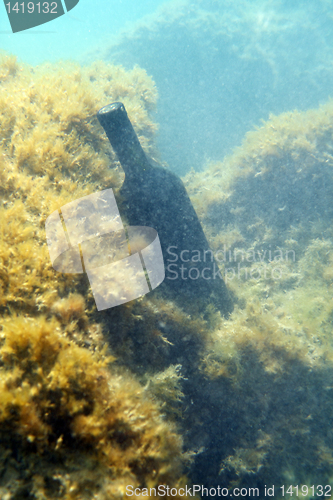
x: 53, y: 150
x: 71, y: 424
x: 267, y: 212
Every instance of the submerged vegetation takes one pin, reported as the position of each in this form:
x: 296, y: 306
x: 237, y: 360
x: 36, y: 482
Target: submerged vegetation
x: 72, y: 424
x: 93, y: 401
x: 267, y: 210
x: 78, y: 427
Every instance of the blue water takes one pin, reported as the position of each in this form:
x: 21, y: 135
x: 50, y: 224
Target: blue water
x: 89, y: 25
x: 220, y: 67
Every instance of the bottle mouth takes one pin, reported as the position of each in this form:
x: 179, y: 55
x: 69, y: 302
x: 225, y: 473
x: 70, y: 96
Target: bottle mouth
x: 114, y: 106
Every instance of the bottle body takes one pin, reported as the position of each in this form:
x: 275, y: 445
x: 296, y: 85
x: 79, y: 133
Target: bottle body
x: 155, y: 197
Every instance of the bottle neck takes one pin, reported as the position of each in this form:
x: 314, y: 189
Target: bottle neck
x: 124, y: 140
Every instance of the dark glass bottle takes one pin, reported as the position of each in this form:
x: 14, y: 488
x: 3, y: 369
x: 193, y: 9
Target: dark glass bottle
x: 154, y: 196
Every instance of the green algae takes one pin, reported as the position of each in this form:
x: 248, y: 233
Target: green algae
x: 267, y: 209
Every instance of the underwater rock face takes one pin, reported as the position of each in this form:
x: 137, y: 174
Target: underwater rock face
x: 221, y: 67
x: 279, y: 179
x: 267, y: 212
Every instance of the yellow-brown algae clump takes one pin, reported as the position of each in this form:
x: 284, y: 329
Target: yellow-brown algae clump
x: 60, y: 402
